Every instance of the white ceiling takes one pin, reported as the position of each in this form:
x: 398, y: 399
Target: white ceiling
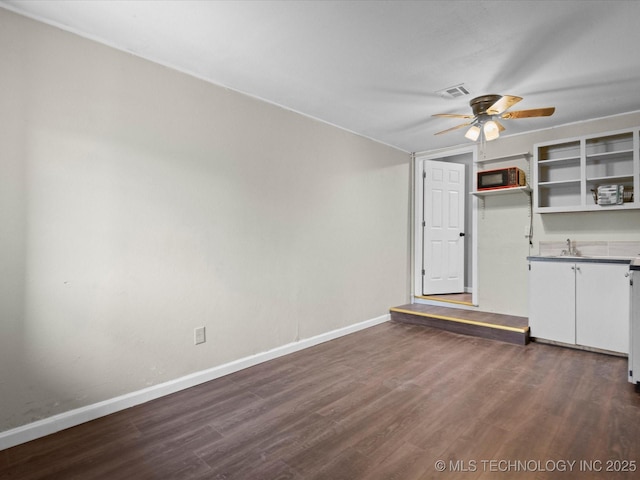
x: 373, y: 67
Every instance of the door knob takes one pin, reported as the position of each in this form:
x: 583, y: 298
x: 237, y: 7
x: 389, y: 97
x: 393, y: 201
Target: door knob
x: 462, y: 234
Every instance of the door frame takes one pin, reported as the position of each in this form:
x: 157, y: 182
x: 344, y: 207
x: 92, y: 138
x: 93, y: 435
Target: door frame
x: 416, y: 222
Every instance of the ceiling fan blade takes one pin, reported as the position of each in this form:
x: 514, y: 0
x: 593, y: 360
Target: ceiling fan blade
x: 505, y: 102
x: 453, y: 128
x: 452, y: 115
x: 500, y: 126
x: 534, y: 112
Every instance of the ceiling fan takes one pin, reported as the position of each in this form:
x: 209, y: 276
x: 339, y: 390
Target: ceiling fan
x: 487, y: 109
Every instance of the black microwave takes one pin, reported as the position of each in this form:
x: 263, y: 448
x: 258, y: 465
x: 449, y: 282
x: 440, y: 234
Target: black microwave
x: 501, y: 178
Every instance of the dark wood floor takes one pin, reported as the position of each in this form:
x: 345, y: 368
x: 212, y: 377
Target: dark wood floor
x: 384, y: 403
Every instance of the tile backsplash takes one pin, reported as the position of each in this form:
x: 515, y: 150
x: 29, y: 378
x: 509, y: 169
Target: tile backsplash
x: 593, y: 248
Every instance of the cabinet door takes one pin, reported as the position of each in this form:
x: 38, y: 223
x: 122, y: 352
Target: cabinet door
x: 552, y: 298
x: 634, y: 330
x: 602, y: 306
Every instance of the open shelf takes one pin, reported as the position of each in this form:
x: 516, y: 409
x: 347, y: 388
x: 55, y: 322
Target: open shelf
x: 505, y: 157
x: 565, y: 172
x: 624, y: 154
x: 501, y: 191
x: 559, y: 182
x: 612, y: 178
x: 560, y: 160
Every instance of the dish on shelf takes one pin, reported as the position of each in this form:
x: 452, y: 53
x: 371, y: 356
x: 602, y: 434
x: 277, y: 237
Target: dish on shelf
x: 612, y: 194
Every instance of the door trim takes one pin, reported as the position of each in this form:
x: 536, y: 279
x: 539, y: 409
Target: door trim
x: 416, y: 222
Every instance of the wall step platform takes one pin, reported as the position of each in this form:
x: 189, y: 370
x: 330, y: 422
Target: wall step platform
x: 505, y: 328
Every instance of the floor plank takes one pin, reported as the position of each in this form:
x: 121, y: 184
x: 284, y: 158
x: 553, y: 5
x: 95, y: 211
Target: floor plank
x: 384, y: 403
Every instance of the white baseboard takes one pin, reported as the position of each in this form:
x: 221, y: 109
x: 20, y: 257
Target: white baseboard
x: 47, y: 426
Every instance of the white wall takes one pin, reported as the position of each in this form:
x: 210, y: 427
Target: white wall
x: 137, y: 203
x: 502, y: 246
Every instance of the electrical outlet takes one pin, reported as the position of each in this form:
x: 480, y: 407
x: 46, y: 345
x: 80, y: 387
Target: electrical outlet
x: 199, y: 335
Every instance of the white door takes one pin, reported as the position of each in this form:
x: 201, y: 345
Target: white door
x: 443, y: 228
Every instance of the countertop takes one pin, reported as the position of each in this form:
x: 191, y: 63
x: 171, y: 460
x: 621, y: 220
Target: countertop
x: 584, y: 259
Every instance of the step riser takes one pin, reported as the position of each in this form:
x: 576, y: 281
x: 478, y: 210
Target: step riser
x: 517, y: 338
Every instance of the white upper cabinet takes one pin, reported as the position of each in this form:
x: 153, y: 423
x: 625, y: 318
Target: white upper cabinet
x: 567, y: 173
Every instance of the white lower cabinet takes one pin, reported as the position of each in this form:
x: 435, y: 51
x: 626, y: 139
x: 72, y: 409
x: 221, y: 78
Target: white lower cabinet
x: 552, y: 301
x: 582, y: 303
x: 602, y: 306
x: 634, y: 330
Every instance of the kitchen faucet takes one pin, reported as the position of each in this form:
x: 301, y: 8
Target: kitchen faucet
x: 569, y: 251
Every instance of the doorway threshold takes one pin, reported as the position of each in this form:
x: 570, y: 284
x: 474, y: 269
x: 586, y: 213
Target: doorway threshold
x: 454, y: 298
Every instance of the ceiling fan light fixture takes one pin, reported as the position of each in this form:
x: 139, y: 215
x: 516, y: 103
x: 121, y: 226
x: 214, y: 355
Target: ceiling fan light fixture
x: 473, y: 133
x: 491, y: 130
x: 487, y: 110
